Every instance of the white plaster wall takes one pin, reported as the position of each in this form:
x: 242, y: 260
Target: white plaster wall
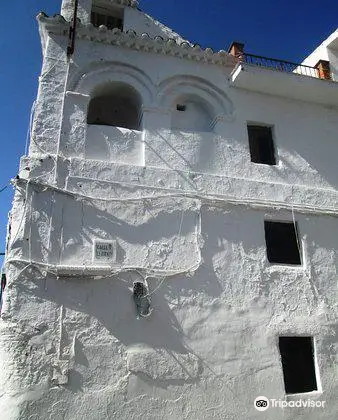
x: 49, y: 103
x: 174, y: 201
x: 114, y: 144
x: 320, y: 53
x: 136, y: 20
x: 195, y: 117
x: 326, y: 51
x: 296, y: 132
x: 83, y: 12
x: 210, y: 345
x: 333, y: 58
x: 166, y: 242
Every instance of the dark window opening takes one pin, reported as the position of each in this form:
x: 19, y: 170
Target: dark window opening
x: 282, y: 242
x: 261, y: 145
x: 298, y: 364
x: 2, y: 288
x: 107, y: 20
x: 181, y: 107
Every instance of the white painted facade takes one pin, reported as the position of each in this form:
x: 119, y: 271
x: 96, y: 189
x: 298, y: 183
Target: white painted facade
x: 183, y: 207
x: 327, y: 50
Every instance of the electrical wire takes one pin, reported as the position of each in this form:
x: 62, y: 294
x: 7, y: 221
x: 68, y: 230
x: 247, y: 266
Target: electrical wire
x: 31, y: 137
x: 41, y: 79
x: 148, y: 272
x: 210, y: 198
x: 3, y: 188
x: 61, y: 121
x: 80, y: 271
x: 163, y: 278
x: 206, y: 197
x: 28, y: 181
x: 30, y: 126
x: 29, y: 130
x: 12, y: 241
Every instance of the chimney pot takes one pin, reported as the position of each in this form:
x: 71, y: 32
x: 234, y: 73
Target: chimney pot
x: 237, y: 50
x: 323, y: 68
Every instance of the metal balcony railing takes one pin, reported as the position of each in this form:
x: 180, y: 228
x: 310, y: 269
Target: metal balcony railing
x: 284, y: 66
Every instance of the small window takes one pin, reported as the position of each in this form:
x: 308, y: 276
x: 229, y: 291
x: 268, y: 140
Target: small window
x: 261, y: 145
x: 110, y: 22
x: 181, y: 107
x: 282, y: 242
x: 298, y: 364
x: 111, y: 17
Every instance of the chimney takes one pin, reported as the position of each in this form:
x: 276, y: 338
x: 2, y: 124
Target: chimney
x: 323, y: 68
x: 237, y: 50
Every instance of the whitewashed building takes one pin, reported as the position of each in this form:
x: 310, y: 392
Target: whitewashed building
x: 172, y: 244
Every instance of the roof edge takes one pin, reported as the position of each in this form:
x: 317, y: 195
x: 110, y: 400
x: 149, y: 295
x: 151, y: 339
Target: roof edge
x: 58, y: 25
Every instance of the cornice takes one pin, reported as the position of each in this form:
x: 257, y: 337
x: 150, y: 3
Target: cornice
x: 140, y: 42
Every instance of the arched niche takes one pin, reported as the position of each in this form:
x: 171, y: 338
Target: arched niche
x: 191, y: 113
x: 115, y: 104
x: 92, y: 129
x: 193, y: 97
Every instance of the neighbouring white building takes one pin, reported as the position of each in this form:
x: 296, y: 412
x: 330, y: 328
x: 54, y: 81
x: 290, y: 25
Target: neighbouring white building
x: 171, y: 249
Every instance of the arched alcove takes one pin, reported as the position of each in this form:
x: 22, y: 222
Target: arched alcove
x: 191, y: 113
x: 115, y: 104
x: 196, y: 104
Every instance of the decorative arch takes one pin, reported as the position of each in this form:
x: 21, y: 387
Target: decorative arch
x: 116, y: 93
x: 98, y: 74
x: 207, y: 103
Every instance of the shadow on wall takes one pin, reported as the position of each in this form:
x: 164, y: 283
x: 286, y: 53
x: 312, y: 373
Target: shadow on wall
x: 301, y: 167
x: 190, y: 113
x: 184, y: 151
x: 110, y: 302
x: 149, y: 238
x: 114, y: 144
x: 102, y: 313
x: 322, y: 157
x: 307, y: 146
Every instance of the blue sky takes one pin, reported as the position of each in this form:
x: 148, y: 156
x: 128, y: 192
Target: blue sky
x: 282, y: 29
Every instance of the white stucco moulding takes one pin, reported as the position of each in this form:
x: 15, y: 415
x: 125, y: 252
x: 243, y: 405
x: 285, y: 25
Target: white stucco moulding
x: 97, y: 75
x: 218, y: 102
x: 57, y: 25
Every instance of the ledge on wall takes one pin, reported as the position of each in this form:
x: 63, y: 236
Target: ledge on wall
x: 290, y: 85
